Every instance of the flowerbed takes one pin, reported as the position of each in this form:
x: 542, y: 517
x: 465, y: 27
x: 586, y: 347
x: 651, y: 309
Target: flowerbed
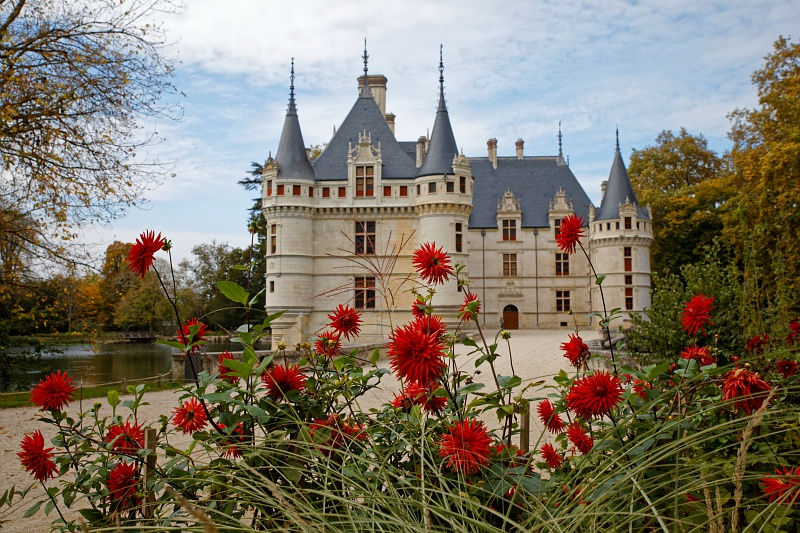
x: 708, y: 441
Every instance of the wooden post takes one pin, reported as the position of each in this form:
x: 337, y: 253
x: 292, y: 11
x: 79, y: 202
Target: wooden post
x: 125, y: 384
x: 149, y: 469
x: 525, y: 430
x: 160, y: 381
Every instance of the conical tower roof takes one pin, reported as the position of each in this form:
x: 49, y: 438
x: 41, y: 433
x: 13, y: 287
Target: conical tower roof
x: 291, y: 157
x: 618, y: 191
x: 442, y: 147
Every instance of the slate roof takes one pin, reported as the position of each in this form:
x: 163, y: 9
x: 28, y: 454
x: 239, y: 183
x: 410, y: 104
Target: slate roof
x: 291, y: 157
x: 618, y: 190
x: 410, y: 148
x: 442, y: 147
x: 364, y: 115
x: 534, y: 182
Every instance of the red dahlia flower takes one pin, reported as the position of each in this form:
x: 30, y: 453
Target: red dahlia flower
x: 53, y: 392
x: 225, y: 372
x: 696, y: 314
x: 742, y: 385
x: 340, y: 430
x: 414, y: 393
x: 640, y: 388
x: 594, y: 395
x: 579, y: 438
x: 125, y: 438
x: 418, y: 307
x: 415, y: 354
x: 190, y: 417
x: 549, y: 417
x: 787, y: 367
x: 140, y: 258
x: 184, y: 335
x: 757, y: 344
x: 700, y: 355
x: 575, y: 350
x: 123, y: 480
x: 785, y: 488
x: 432, y: 264
x: 551, y: 456
x: 569, y: 233
x: 469, y: 310
x: 431, y: 324
x: 231, y: 447
x: 328, y: 344
x: 794, y: 331
x: 465, y: 446
x: 37, y: 460
x: 346, y: 321
x: 281, y: 379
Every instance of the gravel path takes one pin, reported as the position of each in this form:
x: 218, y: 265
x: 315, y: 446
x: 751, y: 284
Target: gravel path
x: 536, y: 354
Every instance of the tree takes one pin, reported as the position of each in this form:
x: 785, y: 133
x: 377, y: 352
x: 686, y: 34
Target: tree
x: 76, y: 77
x: 766, y: 175
x: 116, y: 279
x: 686, y: 187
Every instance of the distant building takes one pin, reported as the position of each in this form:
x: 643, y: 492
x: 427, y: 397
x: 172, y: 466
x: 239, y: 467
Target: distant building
x: 330, y: 218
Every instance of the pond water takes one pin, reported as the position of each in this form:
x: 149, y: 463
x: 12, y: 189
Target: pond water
x: 106, y: 363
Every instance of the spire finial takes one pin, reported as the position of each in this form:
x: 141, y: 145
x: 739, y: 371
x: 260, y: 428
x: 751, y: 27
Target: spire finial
x: 365, y: 56
x: 560, y: 153
x: 442, y: 105
x: 292, y: 107
x: 617, y: 129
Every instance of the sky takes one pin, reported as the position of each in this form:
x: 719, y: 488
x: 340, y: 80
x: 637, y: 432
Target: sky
x: 512, y: 70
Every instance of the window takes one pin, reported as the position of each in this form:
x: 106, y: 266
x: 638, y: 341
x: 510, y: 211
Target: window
x: 311, y: 192
x: 365, y: 293
x: 365, y: 237
x: 628, y: 279
x: 451, y: 186
x: 637, y: 224
x: 342, y: 192
x: 271, y: 286
x: 418, y: 190
x: 326, y: 192
x: 626, y: 254
x: 365, y: 180
x: 562, y: 264
x: 509, y: 230
x: 510, y: 265
x: 280, y: 190
x: 462, y: 184
x: 459, y: 236
x: 387, y: 190
x: 432, y: 187
x: 296, y: 190
x: 557, y: 226
x: 404, y: 190
x: 628, y: 298
x: 269, y: 187
x: 617, y: 224
x: 608, y: 226
x: 628, y: 223
x: 273, y: 238
x: 562, y: 301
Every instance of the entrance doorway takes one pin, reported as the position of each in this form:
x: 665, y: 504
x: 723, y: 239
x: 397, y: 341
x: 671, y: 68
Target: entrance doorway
x: 510, y: 317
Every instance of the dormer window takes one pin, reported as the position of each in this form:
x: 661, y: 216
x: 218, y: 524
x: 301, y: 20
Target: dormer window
x: 365, y: 180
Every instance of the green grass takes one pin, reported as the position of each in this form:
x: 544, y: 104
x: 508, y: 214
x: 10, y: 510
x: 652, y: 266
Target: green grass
x: 22, y: 399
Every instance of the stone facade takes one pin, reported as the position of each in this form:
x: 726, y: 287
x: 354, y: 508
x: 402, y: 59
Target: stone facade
x: 342, y: 228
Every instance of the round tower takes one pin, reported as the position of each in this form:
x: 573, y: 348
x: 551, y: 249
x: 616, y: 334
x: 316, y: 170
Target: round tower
x: 287, y: 203
x: 620, y: 233
x: 444, y: 201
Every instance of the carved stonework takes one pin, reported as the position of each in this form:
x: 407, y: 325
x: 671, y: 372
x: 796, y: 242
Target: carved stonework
x: 364, y: 151
x: 270, y: 166
x: 461, y: 165
x: 510, y: 290
x: 561, y: 203
x: 508, y: 205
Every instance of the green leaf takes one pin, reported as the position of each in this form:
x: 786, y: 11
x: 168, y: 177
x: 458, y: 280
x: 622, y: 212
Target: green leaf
x: 375, y: 356
x: 509, y: 382
x: 469, y: 342
x: 469, y: 389
x: 91, y: 515
x: 254, y: 299
x: 173, y: 344
x: 321, y: 435
x: 233, y: 291
x: 240, y: 267
x: 33, y: 510
x: 658, y: 370
x: 599, y: 280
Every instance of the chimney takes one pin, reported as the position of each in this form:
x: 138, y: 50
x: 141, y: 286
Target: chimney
x: 377, y: 86
x: 603, y: 187
x: 390, y: 121
x: 421, y: 150
x: 519, y: 144
x: 491, y: 144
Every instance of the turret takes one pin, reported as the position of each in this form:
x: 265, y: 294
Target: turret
x: 620, y: 234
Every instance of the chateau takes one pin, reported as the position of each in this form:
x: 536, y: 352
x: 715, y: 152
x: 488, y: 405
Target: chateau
x: 342, y: 227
